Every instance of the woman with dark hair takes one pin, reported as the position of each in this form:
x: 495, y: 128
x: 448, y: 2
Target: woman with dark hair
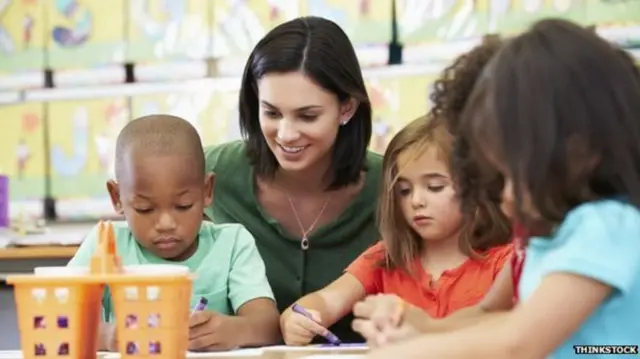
x: 302, y: 180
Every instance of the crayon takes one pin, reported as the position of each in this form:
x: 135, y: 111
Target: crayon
x: 332, y: 338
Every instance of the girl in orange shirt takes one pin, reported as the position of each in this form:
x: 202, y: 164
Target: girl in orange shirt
x: 442, y: 248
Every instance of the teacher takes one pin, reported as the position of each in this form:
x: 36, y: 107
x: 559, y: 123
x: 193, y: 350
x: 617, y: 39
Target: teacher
x: 302, y: 181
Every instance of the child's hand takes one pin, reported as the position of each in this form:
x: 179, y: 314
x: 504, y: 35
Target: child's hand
x: 377, y: 337
x: 298, y: 329
x: 386, y: 318
x: 382, y: 309
x: 211, y: 331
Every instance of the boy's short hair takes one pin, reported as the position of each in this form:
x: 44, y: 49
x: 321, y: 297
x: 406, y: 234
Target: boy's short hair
x: 158, y: 135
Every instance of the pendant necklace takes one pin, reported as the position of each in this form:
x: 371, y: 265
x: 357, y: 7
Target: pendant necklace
x: 304, y: 243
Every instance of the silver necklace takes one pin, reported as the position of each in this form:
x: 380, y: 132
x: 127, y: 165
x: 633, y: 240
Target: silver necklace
x: 304, y: 243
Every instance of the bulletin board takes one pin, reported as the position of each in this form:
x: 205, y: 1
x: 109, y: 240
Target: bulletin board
x: 23, y: 155
x: 161, y: 30
x: 197, y: 107
x: 83, y: 34
x: 366, y: 22
x: 396, y: 101
x: 22, y: 29
x: 239, y: 25
x: 224, y: 123
x: 434, y: 21
x: 612, y: 13
x: 510, y: 17
x: 82, y: 135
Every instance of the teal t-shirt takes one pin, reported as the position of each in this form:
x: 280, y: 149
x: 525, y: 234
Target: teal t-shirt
x: 598, y: 240
x: 294, y: 272
x: 229, y: 270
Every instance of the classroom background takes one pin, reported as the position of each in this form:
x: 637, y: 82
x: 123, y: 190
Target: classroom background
x: 73, y: 72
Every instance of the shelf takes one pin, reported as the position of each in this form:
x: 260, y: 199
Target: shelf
x: 214, y: 84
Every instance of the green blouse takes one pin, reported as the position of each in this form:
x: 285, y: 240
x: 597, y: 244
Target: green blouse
x: 291, y: 271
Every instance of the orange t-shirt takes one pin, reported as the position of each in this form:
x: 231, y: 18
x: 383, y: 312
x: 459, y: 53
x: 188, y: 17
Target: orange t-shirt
x: 456, y: 288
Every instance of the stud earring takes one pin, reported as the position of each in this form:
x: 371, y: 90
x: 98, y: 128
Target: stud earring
x: 344, y: 122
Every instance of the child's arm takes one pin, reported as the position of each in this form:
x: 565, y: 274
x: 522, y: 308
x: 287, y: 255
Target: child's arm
x: 565, y: 300
x: 330, y: 304
x: 377, y: 311
x: 594, y: 255
x: 327, y: 305
x: 251, y: 296
x: 255, y: 322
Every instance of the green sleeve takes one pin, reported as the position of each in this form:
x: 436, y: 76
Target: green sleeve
x: 247, y: 277
x: 83, y: 255
x: 82, y: 258
x: 212, y: 162
x: 226, y: 160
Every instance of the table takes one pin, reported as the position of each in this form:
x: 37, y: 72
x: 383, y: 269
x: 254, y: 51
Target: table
x: 274, y: 352
x: 53, y: 248
x: 38, y: 252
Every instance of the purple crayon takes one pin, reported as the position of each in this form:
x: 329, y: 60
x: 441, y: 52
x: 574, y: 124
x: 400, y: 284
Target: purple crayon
x: 202, y: 305
x: 332, y: 338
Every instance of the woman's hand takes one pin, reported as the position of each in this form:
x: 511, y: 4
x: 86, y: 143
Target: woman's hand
x: 299, y: 330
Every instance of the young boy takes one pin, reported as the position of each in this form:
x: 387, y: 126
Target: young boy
x: 161, y: 189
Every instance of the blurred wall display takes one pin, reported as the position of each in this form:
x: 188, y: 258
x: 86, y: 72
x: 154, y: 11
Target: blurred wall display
x: 396, y: 101
x: 82, y: 135
x: 85, y: 34
x: 167, y: 30
x: 224, y: 123
x: 22, y: 29
x: 427, y: 21
x: 366, y: 22
x: 22, y: 156
x: 513, y: 16
x: 605, y: 13
x: 197, y: 107
x: 618, y: 21
x: 239, y: 24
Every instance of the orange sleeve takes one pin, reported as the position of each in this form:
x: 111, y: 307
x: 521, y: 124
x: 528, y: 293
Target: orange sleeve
x: 366, y: 268
x: 499, y: 256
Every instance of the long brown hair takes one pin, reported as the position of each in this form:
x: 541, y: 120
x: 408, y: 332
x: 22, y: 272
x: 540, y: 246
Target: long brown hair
x: 562, y: 144
x: 402, y: 243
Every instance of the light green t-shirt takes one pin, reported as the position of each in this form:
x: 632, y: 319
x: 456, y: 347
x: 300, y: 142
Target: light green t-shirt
x: 229, y: 270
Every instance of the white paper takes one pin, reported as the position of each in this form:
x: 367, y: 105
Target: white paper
x: 318, y: 348
x: 232, y: 353
x: 257, y: 352
x: 17, y: 354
